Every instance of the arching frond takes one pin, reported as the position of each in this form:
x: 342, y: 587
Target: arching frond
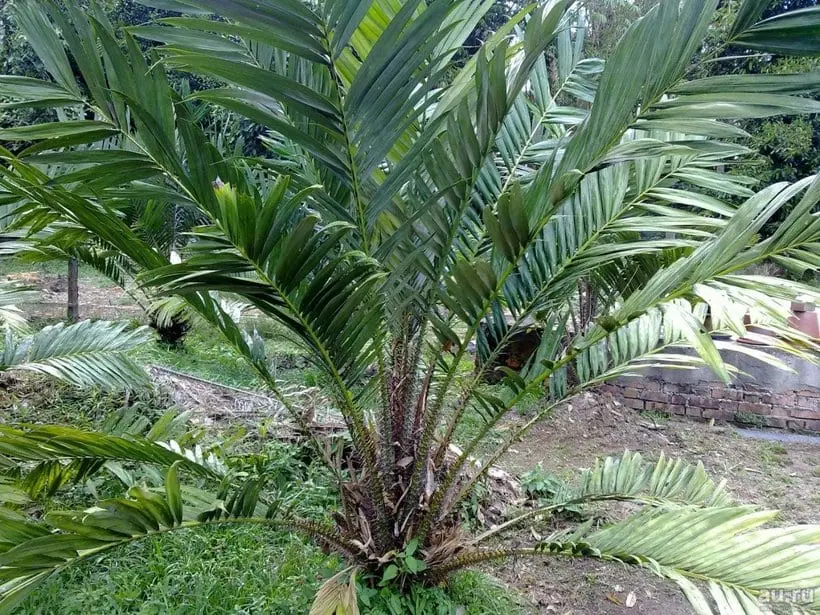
x: 84, y: 354
x: 33, y: 552
x: 11, y: 315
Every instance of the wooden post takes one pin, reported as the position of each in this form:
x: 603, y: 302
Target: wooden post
x: 73, y: 290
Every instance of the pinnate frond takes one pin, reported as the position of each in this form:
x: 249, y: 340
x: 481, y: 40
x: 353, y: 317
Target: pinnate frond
x: 84, y: 354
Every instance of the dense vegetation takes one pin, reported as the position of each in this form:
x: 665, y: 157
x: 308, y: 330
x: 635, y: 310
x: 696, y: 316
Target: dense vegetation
x: 413, y: 202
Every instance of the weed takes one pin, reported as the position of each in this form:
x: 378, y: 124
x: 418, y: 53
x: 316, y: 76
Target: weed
x: 774, y: 454
x: 590, y: 578
x: 210, y: 570
x: 749, y: 418
x: 34, y: 399
x: 472, y: 593
x: 656, y: 417
x: 540, y: 484
x: 471, y: 507
x: 544, y: 487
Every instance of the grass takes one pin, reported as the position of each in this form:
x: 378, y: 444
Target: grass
x: 216, y: 570
x: 205, y: 354
x: 774, y: 454
x: 238, y: 570
x: 39, y: 400
x: 212, y: 571
x: 655, y: 417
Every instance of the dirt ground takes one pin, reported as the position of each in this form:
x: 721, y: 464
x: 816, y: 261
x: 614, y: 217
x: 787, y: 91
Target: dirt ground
x: 107, y: 302
x: 779, y: 475
x: 784, y: 476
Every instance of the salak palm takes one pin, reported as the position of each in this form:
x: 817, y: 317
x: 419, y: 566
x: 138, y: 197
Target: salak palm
x: 410, y: 206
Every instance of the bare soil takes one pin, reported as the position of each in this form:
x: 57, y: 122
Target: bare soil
x: 107, y: 302
x: 779, y: 475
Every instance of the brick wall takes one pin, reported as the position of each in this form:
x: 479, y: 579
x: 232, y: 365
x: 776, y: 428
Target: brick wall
x: 742, y: 403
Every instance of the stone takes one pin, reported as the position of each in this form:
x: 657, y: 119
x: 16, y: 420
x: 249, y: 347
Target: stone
x: 784, y: 399
x: 637, y: 404
x: 694, y: 411
x: 800, y: 413
x: 754, y: 408
x: 812, y: 425
x: 727, y: 405
x: 702, y: 402
x: 716, y: 413
x: 809, y: 403
x: 656, y: 396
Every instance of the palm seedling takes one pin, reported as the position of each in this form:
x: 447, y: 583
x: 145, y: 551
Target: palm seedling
x: 410, y: 207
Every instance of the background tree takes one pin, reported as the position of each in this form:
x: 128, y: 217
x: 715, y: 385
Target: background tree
x: 414, y: 207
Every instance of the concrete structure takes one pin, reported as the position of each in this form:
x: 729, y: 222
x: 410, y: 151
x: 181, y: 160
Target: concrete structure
x: 760, y: 395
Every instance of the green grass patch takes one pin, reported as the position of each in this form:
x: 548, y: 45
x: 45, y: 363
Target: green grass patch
x: 227, y: 569
x: 208, y: 571
x: 204, y: 353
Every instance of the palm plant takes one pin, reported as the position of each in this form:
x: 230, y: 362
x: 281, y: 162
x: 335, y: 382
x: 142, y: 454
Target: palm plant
x: 412, y: 206
x: 84, y: 354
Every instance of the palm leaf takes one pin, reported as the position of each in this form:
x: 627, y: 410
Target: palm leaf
x: 84, y: 354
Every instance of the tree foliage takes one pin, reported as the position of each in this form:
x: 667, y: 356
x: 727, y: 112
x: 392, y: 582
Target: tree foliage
x: 414, y: 203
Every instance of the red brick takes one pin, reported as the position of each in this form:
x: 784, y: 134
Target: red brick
x: 693, y: 411
x: 781, y: 411
x: 796, y: 424
x: 719, y: 393
x: 652, y: 385
x: 637, y: 404
x: 676, y: 409
x: 733, y: 394
x: 632, y: 393
x: 671, y: 387
x: 727, y: 405
x: 766, y: 398
x: 799, y: 413
x: 678, y: 399
x: 810, y: 403
x: 746, y: 406
x: 812, y: 425
x: 721, y: 415
x: 751, y: 398
x: 702, y: 402
x: 784, y: 399
x: 771, y: 421
x: 656, y: 396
